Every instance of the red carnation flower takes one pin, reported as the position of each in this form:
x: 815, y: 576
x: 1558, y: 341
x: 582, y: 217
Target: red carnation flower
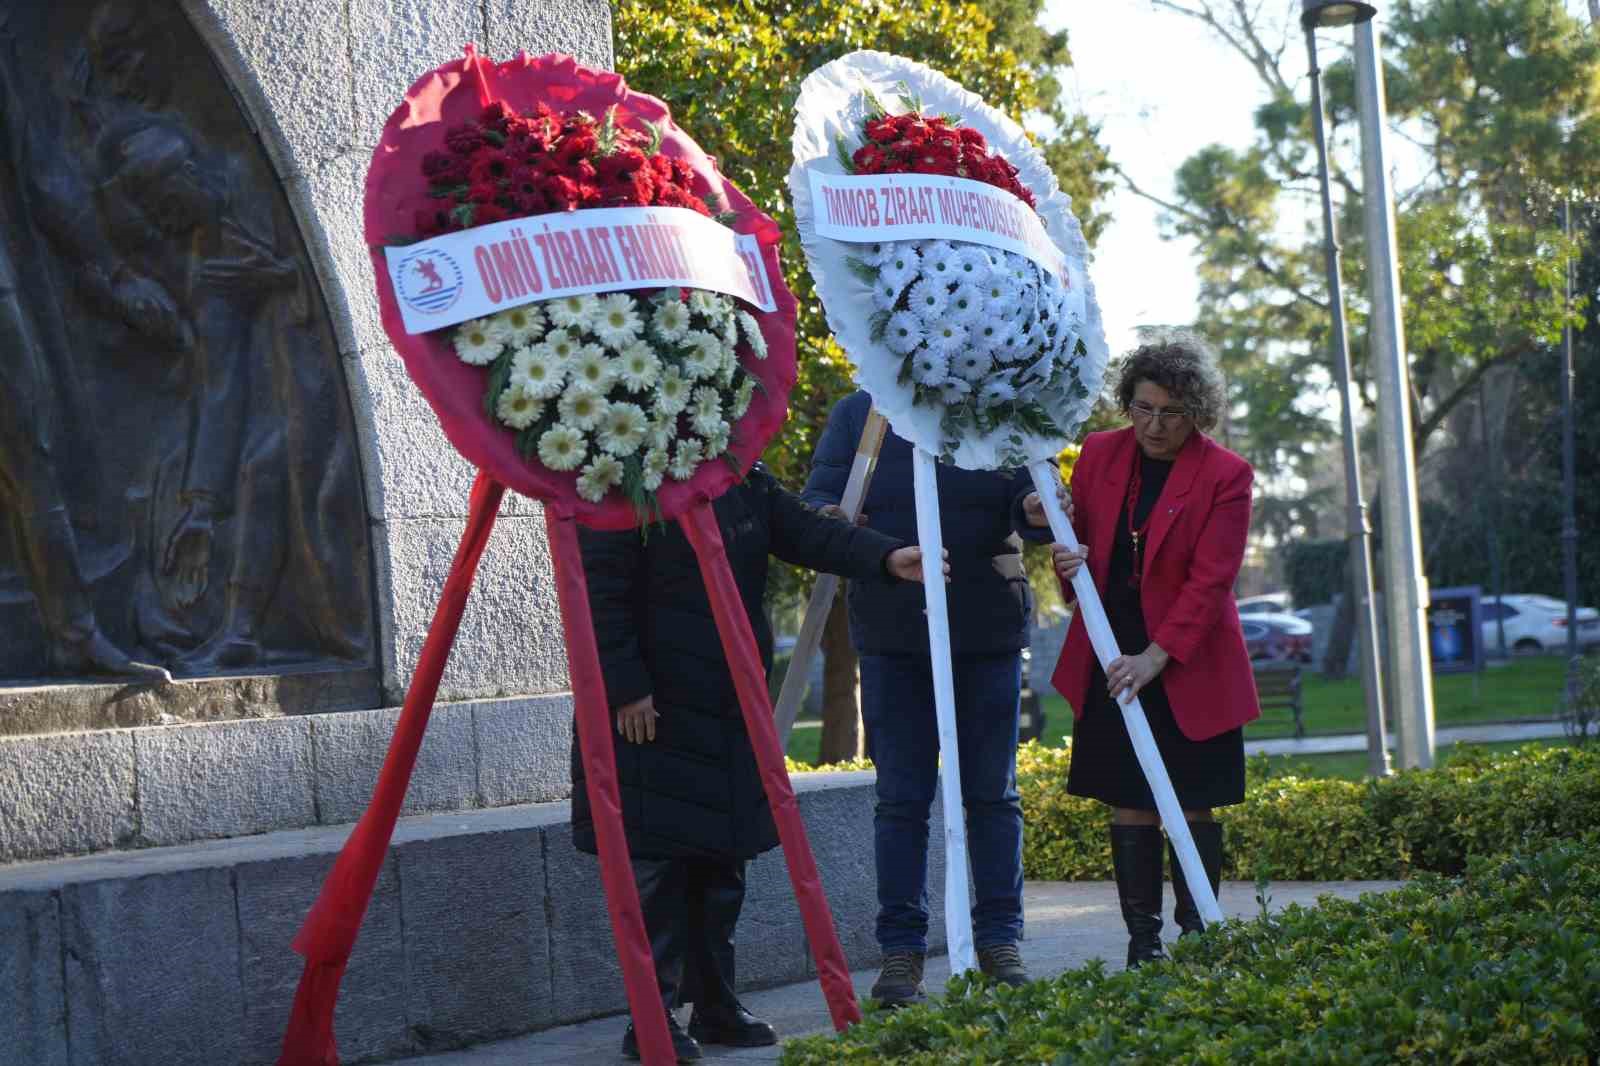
x: 577, y: 145
x: 491, y: 165
x: 869, y: 159
x: 882, y: 130
x: 971, y: 136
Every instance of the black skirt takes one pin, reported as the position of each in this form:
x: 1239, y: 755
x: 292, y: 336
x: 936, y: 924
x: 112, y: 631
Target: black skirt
x: 1205, y: 773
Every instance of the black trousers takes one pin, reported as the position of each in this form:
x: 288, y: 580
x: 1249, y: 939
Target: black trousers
x: 691, y: 907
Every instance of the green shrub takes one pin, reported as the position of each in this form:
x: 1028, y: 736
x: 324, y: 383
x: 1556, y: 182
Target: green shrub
x: 1501, y: 966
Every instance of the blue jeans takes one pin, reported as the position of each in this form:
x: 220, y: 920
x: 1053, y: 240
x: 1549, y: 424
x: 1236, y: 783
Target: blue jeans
x: 897, y: 707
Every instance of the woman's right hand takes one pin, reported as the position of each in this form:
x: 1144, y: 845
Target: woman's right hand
x: 636, y: 721
x: 1068, y: 562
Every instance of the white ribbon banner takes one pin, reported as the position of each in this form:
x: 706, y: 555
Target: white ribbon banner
x: 475, y: 272
x: 858, y: 208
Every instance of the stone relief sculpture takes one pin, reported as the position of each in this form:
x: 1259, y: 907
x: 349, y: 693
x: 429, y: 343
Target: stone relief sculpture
x: 180, y: 462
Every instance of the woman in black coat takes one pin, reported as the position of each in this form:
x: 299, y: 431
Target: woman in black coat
x: 692, y: 802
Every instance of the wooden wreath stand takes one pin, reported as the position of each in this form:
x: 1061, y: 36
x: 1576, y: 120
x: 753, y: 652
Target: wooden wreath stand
x: 329, y: 933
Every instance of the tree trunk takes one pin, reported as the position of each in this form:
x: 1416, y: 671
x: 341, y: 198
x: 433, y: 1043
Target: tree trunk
x: 841, y: 710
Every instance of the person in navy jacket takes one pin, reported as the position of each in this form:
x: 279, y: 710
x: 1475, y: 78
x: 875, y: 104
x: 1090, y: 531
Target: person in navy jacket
x: 1163, y: 512
x: 981, y: 515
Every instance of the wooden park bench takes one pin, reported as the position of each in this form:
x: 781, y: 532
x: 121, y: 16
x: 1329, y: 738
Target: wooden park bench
x: 1278, y: 686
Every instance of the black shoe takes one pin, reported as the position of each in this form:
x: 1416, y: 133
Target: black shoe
x: 1208, y: 841
x: 733, y: 1026
x: 1003, y: 963
x: 682, y: 1043
x: 899, y: 984
x: 1136, y: 855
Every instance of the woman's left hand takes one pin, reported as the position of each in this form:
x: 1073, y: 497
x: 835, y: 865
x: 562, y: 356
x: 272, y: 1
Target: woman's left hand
x: 1128, y: 674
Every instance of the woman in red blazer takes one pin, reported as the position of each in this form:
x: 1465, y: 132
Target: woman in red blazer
x: 1168, y: 511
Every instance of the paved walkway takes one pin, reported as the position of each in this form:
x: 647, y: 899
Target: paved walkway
x: 1467, y: 734
x: 1068, y: 924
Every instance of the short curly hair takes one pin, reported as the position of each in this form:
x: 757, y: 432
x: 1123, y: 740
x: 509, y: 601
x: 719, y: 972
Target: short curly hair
x: 1186, y: 367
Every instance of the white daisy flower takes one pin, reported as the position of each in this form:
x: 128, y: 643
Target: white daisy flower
x: 623, y: 428
x: 966, y: 304
x: 970, y: 364
x: 581, y: 407
x: 518, y: 408
x: 1009, y: 342
x: 593, y: 368
x: 563, y: 345
x: 751, y: 328
x: 705, y: 356
x: 984, y: 334
x: 947, y: 336
x: 742, y: 398
x: 670, y: 320
x: 686, y: 458
x: 477, y: 344
x: 638, y: 367
x: 561, y: 448
x: 939, y: 261
x: 573, y: 312
x: 930, y: 368
x: 709, y: 305
x: 886, y: 293
x: 617, y: 322
x: 706, y: 410
x: 672, y: 392
x: 498, y: 328
x: 875, y: 252
x: 523, y: 325
x: 602, y: 474
x: 656, y: 461
x: 955, y: 390
x: 995, y: 392
x: 972, y: 265
x: 999, y: 294
x: 718, y: 439
x: 538, y: 372
x: 902, y: 265
x: 904, y: 332
x: 929, y: 298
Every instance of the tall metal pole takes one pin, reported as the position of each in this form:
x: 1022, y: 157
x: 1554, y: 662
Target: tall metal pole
x: 1358, y: 530
x: 1491, y: 480
x: 1569, y: 484
x: 1405, y: 587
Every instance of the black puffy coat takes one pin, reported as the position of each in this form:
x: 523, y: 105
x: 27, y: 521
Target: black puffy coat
x: 695, y: 790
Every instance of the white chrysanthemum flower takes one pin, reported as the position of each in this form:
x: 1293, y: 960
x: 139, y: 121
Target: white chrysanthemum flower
x: 518, y: 408
x: 904, y: 332
x: 662, y: 432
x: 563, y: 345
x: 928, y: 298
x: 955, y: 390
x: 602, y: 474
x: 972, y: 266
x: 498, y: 328
x: 718, y: 439
x: 593, y: 368
x: 742, y: 398
x: 638, y: 367
x: 902, y: 265
x: 672, y: 392
x: 670, y: 320
x: 523, y: 325
x: 930, y: 368
x: 706, y: 352
x: 538, y: 372
x: 562, y: 448
x: 575, y: 312
x: 1009, y: 346
x: 617, y: 322
x: 750, y: 326
x: 711, y: 306
x: 729, y: 367
x: 874, y: 252
x: 705, y: 411
x: 999, y: 295
x: 581, y: 407
x: 478, y: 345
x: 730, y: 331
x: 996, y: 392
x: 686, y: 458
x: 622, y: 429
x: 939, y: 261
x: 656, y: 461
x: 966, y: 304
x: 886, y: 293
x: 947, y: 336
x: 984, y: 334
x: 970, y: 364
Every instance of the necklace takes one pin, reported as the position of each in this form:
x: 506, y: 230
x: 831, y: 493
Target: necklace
x: 1136, y: 532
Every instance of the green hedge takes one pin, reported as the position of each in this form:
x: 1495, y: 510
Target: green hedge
x: 1317, y: 829
x: 1500, y: 966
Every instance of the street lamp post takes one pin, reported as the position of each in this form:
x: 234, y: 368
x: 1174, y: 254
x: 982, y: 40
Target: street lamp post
x: 1569, y: 485
x: 1358, y: 530
x: 1405, y: 587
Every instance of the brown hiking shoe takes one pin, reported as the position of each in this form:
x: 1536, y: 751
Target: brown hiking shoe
x: 1003, y: 963
x: 899, y: 984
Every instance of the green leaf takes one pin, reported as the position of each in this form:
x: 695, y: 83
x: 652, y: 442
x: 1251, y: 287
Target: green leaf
x: 844, y: 155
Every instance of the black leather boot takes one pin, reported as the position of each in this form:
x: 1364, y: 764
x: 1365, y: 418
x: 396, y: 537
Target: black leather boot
x: 1208, y: 841
x: 1136, y: 855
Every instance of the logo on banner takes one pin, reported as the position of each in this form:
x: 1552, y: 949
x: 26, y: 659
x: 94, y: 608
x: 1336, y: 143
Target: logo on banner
x: 429, y: 280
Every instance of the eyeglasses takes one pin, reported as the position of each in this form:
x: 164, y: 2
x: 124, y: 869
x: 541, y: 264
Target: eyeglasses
x: 1140, y: 411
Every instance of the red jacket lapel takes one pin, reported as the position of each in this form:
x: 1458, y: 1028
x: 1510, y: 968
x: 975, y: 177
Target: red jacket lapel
x: 1169, y: 506
x: 1121, y: 449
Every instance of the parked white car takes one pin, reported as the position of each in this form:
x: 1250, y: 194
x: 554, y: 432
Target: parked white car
x: 1266, y: 603
x: 1535, y: 624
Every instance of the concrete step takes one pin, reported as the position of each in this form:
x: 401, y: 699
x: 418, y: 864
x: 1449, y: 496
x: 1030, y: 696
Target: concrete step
x: 486, y: 924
